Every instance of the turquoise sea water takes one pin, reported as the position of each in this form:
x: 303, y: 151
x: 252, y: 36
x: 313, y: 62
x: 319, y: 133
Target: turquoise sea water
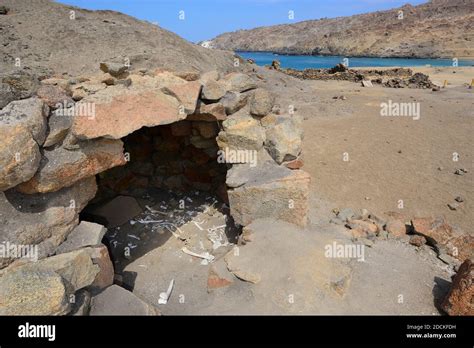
x: 317, y: 62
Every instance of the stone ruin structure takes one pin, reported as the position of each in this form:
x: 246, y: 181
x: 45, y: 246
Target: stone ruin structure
x: 67, y: 143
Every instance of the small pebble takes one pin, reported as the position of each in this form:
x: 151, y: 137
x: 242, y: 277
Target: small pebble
x: 453, y: 206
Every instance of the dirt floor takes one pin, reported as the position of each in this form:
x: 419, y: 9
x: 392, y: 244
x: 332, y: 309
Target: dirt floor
x: 390, y: 159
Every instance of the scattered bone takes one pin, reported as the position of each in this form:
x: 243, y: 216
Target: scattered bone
x: 164, y: 296
x: 204, y: 255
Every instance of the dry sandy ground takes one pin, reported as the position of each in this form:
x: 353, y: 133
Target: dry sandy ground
x: 296, y: 277
x: 390, y: 158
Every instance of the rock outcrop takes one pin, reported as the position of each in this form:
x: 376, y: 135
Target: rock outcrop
x: 460, y: 299
x: 408, y: 31
x: 115, y: 38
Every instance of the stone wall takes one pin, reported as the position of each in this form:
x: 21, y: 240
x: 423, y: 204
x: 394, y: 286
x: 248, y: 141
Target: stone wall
x: 179, y: 157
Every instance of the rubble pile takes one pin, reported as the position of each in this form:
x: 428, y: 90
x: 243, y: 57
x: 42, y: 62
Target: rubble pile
x: 393, y: 77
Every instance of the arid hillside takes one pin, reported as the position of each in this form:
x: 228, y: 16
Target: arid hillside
x: 439, y: 28
x: 47, y: 35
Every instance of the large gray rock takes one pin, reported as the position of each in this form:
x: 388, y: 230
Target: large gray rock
x: 30, y: 114
x: 261, y: 102
x: 239, y: 82
x: 84, y: 235
x: 241, y: 173
x: 117, y: 211
x: 283, y: 140
x: 76, y: 268
x: 241, y: 132
x: 234, y: 101
x: 33, y: 293
x: 58, y: 128
x: 115, y: 300
x: 42, y: 219
x: 22, y: 129
x: 210, y: 75
x: 100, y: 257
x: 117, y: 70
x: 279, y: 193
x: 61, y: 167
x: 213, y: 90
x: 19, y: 157
x: 17, y: 85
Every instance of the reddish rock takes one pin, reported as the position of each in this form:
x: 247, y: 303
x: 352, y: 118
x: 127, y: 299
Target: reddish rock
x: 139, y: 181
x: 196, y: 175
x: 435, y: 229
x: 461, y: 247
x: 53, y: 95
x: 199, y: 156
x: 181, y: 129
x: 295, y: 164
x: 124, y: 112
x: 444, y: 236
x: 460, y: 299
x: 417, y: 240
x: 207, y: 130
x: 214, y: 281
x: 187, y: 94
x: 122, y: 184
x: 396, y: 228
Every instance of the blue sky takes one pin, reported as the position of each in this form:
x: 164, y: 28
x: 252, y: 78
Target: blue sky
x: 205, y: 19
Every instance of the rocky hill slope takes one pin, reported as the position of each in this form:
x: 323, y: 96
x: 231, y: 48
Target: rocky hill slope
x: 47, y: 35
x: 439, y: 28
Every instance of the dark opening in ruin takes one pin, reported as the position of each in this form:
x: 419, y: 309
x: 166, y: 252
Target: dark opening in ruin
x: 172, y: 180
